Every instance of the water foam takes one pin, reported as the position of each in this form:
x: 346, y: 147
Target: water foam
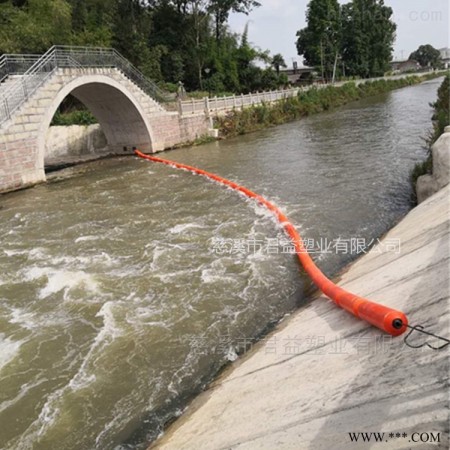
x: 19, y: 316
x: 216, y: 272
x: 86, y: 238
x: 59, y: 280
x: 180, y: 228
x: 34, y: 321
x: 107, y: 334
x: 9, y: 349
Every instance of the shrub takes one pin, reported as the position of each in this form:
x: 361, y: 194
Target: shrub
x: 74, y: 118
x: 309, y: 102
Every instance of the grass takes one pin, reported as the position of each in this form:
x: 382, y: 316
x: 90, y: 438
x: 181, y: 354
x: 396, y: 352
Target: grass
x: 313, y: 101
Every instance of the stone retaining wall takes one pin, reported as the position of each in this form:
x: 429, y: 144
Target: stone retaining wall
x: 74, y: 140
x: 427, y: 185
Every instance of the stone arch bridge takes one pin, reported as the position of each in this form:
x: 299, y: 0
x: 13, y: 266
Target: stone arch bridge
x: 129, y: 108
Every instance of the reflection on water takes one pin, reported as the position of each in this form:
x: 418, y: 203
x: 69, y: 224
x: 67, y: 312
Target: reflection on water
x: 115, y: 305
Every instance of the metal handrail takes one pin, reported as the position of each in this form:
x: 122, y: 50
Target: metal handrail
x: 69, y: 57
x: 15, y: 64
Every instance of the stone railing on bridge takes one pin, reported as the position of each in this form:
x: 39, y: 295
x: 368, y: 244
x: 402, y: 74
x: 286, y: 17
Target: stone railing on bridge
x: 218, y: 105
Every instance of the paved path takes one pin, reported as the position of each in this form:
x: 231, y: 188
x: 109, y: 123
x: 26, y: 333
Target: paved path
x: 324, y: 374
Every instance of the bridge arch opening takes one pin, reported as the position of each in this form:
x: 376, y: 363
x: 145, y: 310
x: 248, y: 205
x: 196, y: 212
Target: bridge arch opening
x: 120, y: 116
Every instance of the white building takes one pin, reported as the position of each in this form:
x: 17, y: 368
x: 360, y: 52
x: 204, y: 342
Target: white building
x: 445, y: 56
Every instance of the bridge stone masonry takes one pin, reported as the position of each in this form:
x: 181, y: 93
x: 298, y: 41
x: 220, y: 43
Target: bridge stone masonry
x: 128, y: 107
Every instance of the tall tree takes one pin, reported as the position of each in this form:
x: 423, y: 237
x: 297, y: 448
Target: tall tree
x: 368, y: 37
x: 168, y: 40
x: 29, y: 29
x: 278, y: 62
x: 79, y: 15
x: 320, y: 41
x: 427, y: 55
x: 221, y: 10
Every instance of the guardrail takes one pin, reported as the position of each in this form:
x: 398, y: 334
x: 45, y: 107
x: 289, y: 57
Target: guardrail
x: 41, y: 68
x: 220, y: 104
x: 217, y: 105
x: 12, y: 64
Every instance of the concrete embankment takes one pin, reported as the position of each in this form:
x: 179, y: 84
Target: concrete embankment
x: 324, y: 374
x: 74, y: 140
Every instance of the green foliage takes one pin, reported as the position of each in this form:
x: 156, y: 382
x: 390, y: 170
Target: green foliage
x: 81, y: 117
x: 355, y: 39
x: 441, y: 116
x: 320, y: 41
x: 309, y: 102
x: 35, y: 26
x: 168, y: 40
x: 278, y: 62
x: 422, y: 168
x: 427, y: 55
x: 368, y: 38
x: 220, y: 9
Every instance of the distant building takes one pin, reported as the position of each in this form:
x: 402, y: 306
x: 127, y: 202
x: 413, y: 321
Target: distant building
x: 297, y: 74
x: 405, y: 66
x: 445, y: 56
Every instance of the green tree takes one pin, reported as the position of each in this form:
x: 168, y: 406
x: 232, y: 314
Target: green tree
x: 277, y: 62
x: 427, y: 56
x: 9, y: 16
x: 441, y: 108
x: 355, y: 42
x: 131, y: 25
x: 92, y: 22
x: 250, y: 75
x: 221, y: 10
x: 320, y: 41
x: 368, y: 37
x: 79, y: 15
x: 168, y: 40
x: 35, y: 26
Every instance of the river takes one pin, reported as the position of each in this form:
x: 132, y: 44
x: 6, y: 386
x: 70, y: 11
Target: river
x: 126, y: 286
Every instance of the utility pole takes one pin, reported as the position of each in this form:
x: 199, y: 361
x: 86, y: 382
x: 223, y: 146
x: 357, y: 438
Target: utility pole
x: 321, y: 61
x: 334, y: 67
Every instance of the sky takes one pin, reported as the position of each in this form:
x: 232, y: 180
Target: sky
x: 274, y: 24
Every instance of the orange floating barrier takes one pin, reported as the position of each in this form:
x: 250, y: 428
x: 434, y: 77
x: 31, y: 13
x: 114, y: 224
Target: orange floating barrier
x: 387, y: 319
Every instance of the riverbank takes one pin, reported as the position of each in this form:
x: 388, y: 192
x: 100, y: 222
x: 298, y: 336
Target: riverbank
x: 68, y: 146
x: 312, y: 101
x: 324, y: 374
x: 146, y: 344
x: 71, y: 145
x: 440, y: 120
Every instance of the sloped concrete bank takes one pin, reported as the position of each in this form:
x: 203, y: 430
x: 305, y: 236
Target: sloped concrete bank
x: 324, y: 374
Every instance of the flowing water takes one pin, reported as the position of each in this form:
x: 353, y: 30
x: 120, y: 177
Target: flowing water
x: 125, y: 288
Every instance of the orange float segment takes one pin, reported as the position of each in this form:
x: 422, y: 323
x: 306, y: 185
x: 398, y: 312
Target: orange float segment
x: 387, y: 319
